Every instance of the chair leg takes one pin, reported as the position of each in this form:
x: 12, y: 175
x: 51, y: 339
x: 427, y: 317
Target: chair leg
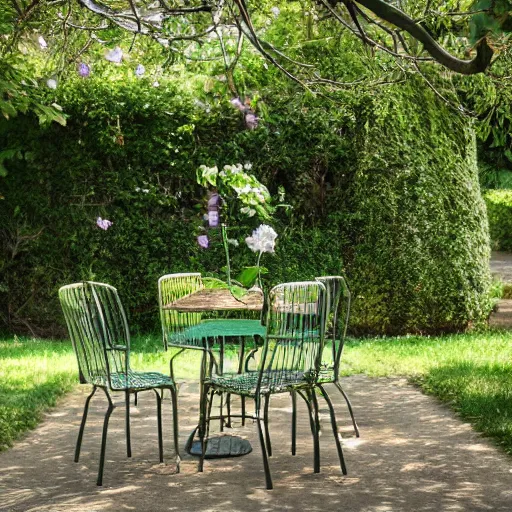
x: 175, y: 423
x: 266, y: 467
x: 136, y: 399
x: 203, y: 406
x: 314, y: 433
x: 228, y: 406
x: 349, y: 405
x: 243, y: 410
x: 159, y: 422
x: 294, y: 421
x: 334, y: 429
x: 111, y: 407
x: 221, y: 413
x: 265, y: 424
x: 317, y: 431
x: 82, y: 424
x: 127, y: 422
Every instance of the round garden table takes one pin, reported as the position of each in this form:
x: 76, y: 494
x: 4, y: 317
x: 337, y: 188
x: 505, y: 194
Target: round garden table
x: 208, y: 333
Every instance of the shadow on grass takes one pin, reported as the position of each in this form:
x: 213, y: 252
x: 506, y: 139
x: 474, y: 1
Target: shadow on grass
x: 480, y: 393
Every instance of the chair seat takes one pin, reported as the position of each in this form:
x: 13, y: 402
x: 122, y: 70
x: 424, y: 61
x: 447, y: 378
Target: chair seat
x: 136, y: 381
x: 272, y: 382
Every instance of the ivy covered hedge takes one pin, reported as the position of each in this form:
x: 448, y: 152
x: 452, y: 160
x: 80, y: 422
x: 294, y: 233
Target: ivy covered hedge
x: 499, y: 211
x: 383, y: 186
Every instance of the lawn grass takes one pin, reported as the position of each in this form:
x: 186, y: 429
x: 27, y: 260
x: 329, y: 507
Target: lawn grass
x: 472, y: 372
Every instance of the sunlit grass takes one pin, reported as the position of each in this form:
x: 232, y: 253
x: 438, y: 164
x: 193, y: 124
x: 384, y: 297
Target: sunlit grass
x: 472, y: 372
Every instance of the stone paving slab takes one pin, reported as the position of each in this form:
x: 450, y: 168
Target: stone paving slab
x: 413, y: 455
x: 501, y: 265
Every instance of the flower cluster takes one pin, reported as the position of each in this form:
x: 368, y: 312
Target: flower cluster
x: 234, y: 186
x: 253, y: 195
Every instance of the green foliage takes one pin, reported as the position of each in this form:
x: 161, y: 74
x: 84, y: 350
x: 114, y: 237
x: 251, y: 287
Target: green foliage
x: 419, y: 218
x: 499, y: 212
x: 382, y: 183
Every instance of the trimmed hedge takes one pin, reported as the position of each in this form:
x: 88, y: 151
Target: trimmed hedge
x: 384, y: 186
x: 499, y: 212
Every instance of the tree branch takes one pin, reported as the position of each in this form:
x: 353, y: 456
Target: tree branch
x: 395, y: 16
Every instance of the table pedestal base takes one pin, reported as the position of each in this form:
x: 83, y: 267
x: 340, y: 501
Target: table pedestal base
x: 221, y: 446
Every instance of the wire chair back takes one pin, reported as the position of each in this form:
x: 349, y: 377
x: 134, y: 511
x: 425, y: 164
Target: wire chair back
x: 295, y: 334
x: 338, y: 312
x: 98, y: 330
x: 172, y: 287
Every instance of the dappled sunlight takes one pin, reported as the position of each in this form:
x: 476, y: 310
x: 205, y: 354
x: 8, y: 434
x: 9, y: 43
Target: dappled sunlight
x: 412, y: 455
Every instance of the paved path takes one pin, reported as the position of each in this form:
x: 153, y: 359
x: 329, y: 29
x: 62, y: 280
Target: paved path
x: 413, y: 456
x: 501, y: 268
x: 501, y: 265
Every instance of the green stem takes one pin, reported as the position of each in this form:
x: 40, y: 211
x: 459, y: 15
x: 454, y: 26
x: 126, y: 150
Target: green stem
x: 226, y: 248
x: 259, y: 271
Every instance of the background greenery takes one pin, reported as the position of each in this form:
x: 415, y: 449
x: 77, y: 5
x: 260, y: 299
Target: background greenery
x: 383, y: 184
x: 499, y: 211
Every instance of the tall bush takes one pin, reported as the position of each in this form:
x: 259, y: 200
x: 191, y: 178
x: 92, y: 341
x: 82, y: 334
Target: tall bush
x: 383, y: 187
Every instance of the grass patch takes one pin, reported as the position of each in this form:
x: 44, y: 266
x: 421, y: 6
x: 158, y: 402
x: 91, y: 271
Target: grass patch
x: 472, y: 372
x: 35, y: 373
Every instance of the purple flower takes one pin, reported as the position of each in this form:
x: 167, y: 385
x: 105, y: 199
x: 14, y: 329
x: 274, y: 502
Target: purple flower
x: 214, y: 200
x: 140, y: 70
x: 115, y: 55
x: 213, y: 218
x: 251, y: 121
x: 103, y: 223
x: 202, y: 240
x: 84, y: 70
x: 237, y: 103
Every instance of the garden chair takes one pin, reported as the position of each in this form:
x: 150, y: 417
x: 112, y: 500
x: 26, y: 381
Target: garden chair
x: 338, y: 311
x: 289, y: 361
x: 99, y: 333
x: 175, y: 324
x: 188, y: 330
x: 338, y: 297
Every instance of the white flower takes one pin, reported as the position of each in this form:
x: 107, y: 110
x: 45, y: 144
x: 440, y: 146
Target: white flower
x: 145, y: 190
x: 156, y: 84
x: 275, y: 11
x: 42, y: 43
x: 248, y: 211
x: 248, y: 166
x: 233, y: 241
x: 51, y: 83
x: 263, y: 239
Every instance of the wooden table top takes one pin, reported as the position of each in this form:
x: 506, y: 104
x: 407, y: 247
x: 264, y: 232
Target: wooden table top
x: 214, y: 299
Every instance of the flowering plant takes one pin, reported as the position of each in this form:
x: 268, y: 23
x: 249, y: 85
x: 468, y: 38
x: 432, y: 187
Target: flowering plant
x: 237, y: 193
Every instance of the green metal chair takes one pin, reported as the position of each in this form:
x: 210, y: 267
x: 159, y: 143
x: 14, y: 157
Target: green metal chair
x: 290, y: 361
x: 338, y: 296
x: 195, y: 330
x: 176, y: 325
x: 338, y: 311
x: 99, y: 333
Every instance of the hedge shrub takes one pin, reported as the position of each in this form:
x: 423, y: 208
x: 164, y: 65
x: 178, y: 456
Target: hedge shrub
x: 383, y: 186
x: 499, y: 212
